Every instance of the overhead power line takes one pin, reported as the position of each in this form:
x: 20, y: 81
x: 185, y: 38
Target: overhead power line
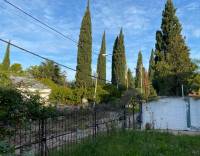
x: 38, y: 20
x: 47, y: 59
x: 44, y: 24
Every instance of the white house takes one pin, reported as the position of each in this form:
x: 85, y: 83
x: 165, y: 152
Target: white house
x: 173, y: 113
x: 28, y: 84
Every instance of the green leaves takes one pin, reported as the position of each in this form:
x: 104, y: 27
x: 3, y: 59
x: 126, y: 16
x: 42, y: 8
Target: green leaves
x: 6, y: 60
x: 84, y: 58
x: 101, y: 65
x: 48, y: 70
x: 119, y: 70
x: 173, y: 66
x: 139, y: 71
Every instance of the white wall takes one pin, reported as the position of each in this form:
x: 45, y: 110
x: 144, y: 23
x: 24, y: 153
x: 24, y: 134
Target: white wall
x: 195, y: 113
x: 170, y: 113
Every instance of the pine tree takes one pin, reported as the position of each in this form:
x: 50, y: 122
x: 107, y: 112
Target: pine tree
x: 84, y: 58
x: 151, y: 66
x: 101, y: 65
x: 6, y: 60
x: 119, y: 62
x: 139, y: 71
x: 131, y: 82
x: 176, y: 67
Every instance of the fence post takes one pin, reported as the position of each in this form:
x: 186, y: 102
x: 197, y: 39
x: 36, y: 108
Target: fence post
x: 133, y: 103
x: 140, y: 115
x: 94, y: 121
x: 124, y: 117
x: 42, y: 137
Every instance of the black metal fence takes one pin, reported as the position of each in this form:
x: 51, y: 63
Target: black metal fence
x: 60, y: 134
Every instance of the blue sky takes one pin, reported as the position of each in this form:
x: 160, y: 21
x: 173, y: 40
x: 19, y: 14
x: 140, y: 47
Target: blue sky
x: 139, y: 18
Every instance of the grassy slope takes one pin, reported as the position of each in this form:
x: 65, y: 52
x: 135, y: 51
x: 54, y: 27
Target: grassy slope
x: 139, y: 144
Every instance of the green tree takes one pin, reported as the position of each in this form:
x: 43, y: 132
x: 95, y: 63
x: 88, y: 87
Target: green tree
x: 139, y: 71
x: 48, y: 70
x: 101, y: 65
x: 151, y: 66
x: 84, y: 58
x: 176, y: 67
x: 131, y: 81
x: 114, y: 70
x: 16, y: 69
x: 6, y: 60
x: 119, y: 62
x: 4, y: 79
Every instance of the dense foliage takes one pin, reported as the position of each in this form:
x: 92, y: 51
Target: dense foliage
x: 195, y: 80
x: 151, y: 66
x: 16, y: 107
x: 84, y: 58
x: 101, y: 65
x: 173, y: 67
x: 16, y: 69
x: 4, y: 79
x: 48, y: 70
x: 64, y: 95
x: 6, y: 60
x: 139, y: 72
x: 119, y: 62
x: 130, y: 79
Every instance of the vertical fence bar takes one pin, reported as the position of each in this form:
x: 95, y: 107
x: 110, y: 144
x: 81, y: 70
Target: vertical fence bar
x: 94, y: 113
x: 140, y: 116
x: 133, y: 111
x: 124, y: 117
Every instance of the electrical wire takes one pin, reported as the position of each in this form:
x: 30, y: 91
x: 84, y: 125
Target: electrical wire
x: 47, y: 59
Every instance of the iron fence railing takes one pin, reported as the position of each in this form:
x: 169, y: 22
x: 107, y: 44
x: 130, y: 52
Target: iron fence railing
x: 44, y: 136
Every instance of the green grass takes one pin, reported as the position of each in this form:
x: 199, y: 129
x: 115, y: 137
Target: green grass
x: 137, y: 144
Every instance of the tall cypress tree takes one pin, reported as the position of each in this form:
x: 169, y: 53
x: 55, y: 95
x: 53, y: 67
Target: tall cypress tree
x: 114, y: 60
x: 101, y: 65
x: 84, y: 58
x: 139, y: 71
x: 176, y: 68
x: 151, y: 66
x: 6, y: 60
x: 119, y: 62
x: 146, y: 84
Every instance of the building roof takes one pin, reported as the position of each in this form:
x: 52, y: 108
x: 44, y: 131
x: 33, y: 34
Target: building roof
x: 27, y: 82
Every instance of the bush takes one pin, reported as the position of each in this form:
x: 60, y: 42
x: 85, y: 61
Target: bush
x: 17, y: 107
x: 73, y: 96
x: 5, y: 148
x: 4, y: 79
x: 16, y: 69
x: 62, y: 95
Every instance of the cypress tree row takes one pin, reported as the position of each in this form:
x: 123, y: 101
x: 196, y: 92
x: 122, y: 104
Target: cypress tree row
x: 6, y: 60
x: 139, y: 72
x: 101, y: 65
x: 119, y: 62
x: 173, y: 64
x: 84, y: 58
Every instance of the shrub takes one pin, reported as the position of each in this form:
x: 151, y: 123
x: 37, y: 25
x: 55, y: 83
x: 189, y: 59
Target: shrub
x: 62, y: 95
x: 4, y: 79
x: 5, y: 148
x: 17, y: 107
x: 73, y: 96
